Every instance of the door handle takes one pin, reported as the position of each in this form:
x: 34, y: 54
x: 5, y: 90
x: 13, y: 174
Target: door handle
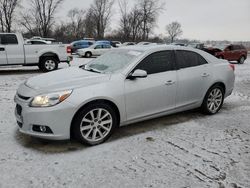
x: 170, y: 82
x: 205, y: 75
x: 2, y: 49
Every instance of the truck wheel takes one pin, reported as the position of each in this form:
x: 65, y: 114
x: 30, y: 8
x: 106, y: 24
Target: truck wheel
x: 88, y: 54
x: 48, y: 64
x: 241, y: 60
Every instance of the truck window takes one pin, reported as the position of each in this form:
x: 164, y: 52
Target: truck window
x: 8, y: 39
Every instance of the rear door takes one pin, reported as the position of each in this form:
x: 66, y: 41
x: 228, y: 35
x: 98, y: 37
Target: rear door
x: 14, y: 49
x: 229, y: 53
x: 105, y: 49
x: 237, y: 51
x: 194, y: 78
x: 3, y: 55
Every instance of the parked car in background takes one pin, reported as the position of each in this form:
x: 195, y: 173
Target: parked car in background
x: 107, y: 42
x: 128, y: 44
x: 42, y: 38
x: 146, y: 43
x: 95, y: 50
x: 13, y: 51
x: 80, y: 44
x: 197, y: 45
x: 179, y: 44
x: 124, y: 86
x: 233, y: 53
x: 37, y: 41
x: 117, y: 44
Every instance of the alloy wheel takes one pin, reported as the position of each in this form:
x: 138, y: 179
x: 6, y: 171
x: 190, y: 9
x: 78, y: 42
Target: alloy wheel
x: 96, y: 125
x: 214, y: 100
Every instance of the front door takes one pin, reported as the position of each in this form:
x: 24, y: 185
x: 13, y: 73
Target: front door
x: 14, y: 49
x: 3, y: 56
x: 156, y: 93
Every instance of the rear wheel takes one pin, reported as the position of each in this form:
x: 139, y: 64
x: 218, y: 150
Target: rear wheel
x: 241, y: 60
x: 88, y: 54
x: 94, y: 124
x: 213, y: 100
x: 48, y: 64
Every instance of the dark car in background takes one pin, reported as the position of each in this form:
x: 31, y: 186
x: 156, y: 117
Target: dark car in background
x: 76, y: 45
x: 233, y: 53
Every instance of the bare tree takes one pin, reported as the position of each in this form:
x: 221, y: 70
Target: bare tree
x: 77, y: 23
x: 90, y: 28
x: 7, y: 10
x: 125, y: 20
x: 40, y: 17
x: 101, y: 13
x: 137, y: 23
x: 174, y: 30
x: 150, y: 10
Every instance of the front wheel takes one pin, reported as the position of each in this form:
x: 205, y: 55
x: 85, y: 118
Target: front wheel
x: 48, y: 64
x: 94, y: 124
x: 241, y: 60
x: 213, y: 100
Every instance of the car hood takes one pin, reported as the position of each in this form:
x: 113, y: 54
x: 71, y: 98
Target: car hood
x: 64, y: 79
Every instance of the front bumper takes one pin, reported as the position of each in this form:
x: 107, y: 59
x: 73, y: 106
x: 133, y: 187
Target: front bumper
x: 58, y: 118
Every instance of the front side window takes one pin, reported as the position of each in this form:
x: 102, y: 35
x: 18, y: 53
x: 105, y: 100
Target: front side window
x: 186, y: 59
x: 157, y: 62
x: 9, y: 39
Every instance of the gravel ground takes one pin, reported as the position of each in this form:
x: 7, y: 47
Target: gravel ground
x: 182, y: 150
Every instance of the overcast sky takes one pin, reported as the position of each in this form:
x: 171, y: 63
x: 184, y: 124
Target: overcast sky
x: 200, y: 19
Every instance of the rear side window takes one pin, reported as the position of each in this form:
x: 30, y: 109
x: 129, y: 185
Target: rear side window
x: 9, y: 39
x: 186, y: 59
x: 157, y: 62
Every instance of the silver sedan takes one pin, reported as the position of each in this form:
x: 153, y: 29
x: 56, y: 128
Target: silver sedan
x: 124, y: 86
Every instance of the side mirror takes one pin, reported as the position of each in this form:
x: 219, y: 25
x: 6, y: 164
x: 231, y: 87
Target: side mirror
x: 138, y: 73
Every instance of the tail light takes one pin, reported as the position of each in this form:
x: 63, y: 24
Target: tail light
x: 69, y: 49
x: 232, y: 66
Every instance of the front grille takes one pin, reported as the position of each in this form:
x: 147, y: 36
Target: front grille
x: 19, y: 110
x: 23, y: 97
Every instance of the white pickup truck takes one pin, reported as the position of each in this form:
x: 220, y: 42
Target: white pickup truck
x: 14, y: 51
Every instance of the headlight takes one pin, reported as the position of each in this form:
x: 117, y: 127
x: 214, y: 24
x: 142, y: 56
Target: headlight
x: 50, y: 99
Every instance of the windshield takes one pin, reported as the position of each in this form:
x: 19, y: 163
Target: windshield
x: 113, y: 61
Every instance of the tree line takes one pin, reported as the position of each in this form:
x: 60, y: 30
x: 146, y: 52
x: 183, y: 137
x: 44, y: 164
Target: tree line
x: 136, y: 22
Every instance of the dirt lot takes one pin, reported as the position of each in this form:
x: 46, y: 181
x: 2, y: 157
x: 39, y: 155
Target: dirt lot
x: 182, y: 150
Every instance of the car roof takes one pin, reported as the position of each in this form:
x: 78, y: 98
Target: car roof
x: 149, y: 48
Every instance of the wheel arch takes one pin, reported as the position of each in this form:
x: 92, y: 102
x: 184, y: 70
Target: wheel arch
x: 49, y: 54
x: 88, y: 52
x: 220, y: 83
x: 95, y: 101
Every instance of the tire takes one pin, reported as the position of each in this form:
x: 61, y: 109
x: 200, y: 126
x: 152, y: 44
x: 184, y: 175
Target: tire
x: 48, y: 64
x: 213, y: 100
x: 241, y: 60
x: 90, y: 130
x: 88, y: 54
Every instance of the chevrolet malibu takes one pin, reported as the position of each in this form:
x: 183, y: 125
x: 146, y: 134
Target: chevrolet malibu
x: 124, y: 86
